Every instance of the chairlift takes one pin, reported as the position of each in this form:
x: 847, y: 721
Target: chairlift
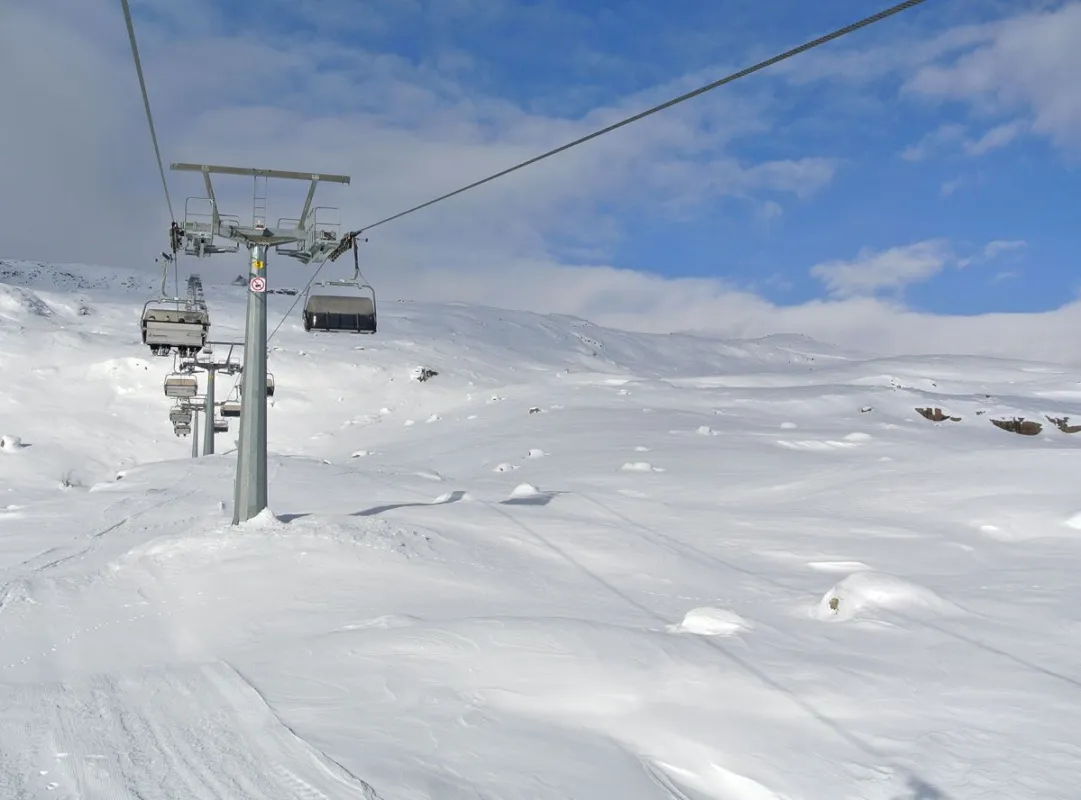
x: 180, y: 415
x: 230, y: 408
x: 345, y: 312
x: 174, y: 322
x: 182, y: 429
x: 180, y: 385
x: 221, y: 425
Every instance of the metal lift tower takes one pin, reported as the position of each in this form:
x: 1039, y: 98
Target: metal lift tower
x: 311, y: 236
x: 204, y: 360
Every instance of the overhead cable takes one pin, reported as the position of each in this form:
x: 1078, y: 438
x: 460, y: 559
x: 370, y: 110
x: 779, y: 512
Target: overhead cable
x: 837, y: 34
x: 146, y: 104
x: 348, y: 239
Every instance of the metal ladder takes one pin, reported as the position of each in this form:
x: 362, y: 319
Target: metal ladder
x: 258, y: 204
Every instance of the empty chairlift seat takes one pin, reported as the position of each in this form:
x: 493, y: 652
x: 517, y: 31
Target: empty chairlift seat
x: 165, y: 328
x: 180, y: 416
x: 230, y: 408
x: 221, y: 425
x: 340, y: 313
x: 181, y: 385
x: 182, y: 429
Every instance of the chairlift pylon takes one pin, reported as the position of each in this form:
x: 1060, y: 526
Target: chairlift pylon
x: 269, y: 385
x: 353, y: 312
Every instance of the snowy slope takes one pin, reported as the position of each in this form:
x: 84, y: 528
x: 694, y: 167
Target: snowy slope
x: 575, y: 563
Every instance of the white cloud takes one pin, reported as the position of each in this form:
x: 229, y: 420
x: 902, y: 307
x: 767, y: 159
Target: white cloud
x: 894, y: 268
x: 644, y: 302
x: 1021, y: 66
x: 897, y: 267
x: 998, y: 247
x: 1027, y: 64
x: 943, y: 135
x: 953, y: 134
x: 951, y: 186
x: 999, y: 136
x: 406, y: 131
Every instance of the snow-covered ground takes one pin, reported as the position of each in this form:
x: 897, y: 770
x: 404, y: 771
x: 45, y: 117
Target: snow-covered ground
x: 575, y: 563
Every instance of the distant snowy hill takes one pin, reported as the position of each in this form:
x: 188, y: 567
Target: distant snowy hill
x: 522, y: 556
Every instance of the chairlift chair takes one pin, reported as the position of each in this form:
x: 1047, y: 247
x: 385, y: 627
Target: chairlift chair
x: 181, y: 429
x: 180, y: 415
x: 174, y: 322
x: 221, y: 425
x: 230, y: 408
x: 351, y: 312
x: 180, y: 385
x: 340, y: 313
x: 165, y: 328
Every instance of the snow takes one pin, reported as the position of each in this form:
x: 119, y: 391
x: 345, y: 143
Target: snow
x: 808, y: 591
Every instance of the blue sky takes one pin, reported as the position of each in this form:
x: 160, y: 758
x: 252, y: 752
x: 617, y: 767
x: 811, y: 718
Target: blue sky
x: 924, y: 168
x: 566, y: 58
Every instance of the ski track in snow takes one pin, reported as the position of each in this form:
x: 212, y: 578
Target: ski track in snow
x: 197, y: 731
x: 807, y: 590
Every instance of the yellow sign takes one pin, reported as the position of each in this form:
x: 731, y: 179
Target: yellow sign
x: 258, y: 265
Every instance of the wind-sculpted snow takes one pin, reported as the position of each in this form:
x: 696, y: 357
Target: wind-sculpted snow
x: 515, y: 556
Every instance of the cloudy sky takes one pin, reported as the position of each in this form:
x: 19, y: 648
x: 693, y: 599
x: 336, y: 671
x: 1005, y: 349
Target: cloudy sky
x: 912, y: 187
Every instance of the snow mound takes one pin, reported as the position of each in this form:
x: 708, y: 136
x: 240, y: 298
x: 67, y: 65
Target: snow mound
x: 264, y: 520
x: 709, y: 621
x: 867, y: 591
x: 524, y: 490
x: 11, y: 444
x: 640, y: 466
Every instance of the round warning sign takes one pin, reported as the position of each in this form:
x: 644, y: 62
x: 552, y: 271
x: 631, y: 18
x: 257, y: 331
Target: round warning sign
x: 258, y: 284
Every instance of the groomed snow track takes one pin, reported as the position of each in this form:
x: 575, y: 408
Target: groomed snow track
x: 198, y: 732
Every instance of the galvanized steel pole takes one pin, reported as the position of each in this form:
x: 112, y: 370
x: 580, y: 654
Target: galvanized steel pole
x: 250, y: 491
x: 208, y: 412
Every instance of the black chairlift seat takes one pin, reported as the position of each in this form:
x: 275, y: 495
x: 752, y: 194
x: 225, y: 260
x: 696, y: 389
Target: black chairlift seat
x: 339, y: 313
x: 221, y: 425
x: 230, y: 408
